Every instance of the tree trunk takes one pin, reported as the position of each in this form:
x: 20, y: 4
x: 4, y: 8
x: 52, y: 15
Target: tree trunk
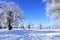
x: 9, y: 27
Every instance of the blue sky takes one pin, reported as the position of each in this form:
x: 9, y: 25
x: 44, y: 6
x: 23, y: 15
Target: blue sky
x: 34, y: 11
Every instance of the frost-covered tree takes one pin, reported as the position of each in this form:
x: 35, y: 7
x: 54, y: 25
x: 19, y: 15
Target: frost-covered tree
x: 53, y: 12
x: 22, y: 26
x: 29, y: 25
x: 39, y: 26
x: 11, y: 14
x: 32, y: 26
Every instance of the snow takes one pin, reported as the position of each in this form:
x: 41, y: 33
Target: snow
x: 23, y: 34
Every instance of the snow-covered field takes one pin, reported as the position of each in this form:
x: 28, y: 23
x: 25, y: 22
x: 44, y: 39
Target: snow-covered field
x: 29, y: 34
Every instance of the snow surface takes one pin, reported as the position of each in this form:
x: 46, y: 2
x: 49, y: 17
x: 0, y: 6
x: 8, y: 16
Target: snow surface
x: 29, y: 34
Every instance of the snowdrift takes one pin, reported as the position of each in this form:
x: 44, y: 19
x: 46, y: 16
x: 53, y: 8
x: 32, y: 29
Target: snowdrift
x: 30, y: 35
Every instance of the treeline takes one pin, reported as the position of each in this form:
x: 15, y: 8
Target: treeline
x: 38, y: 26
x: 31, y: 26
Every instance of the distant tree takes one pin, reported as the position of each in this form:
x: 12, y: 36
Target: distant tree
x: 49, y: 27
x: 39, y: 26
x: 21, y: 26
x: 0, y: 25
x: 32, y: 26
x: 29, y: 26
